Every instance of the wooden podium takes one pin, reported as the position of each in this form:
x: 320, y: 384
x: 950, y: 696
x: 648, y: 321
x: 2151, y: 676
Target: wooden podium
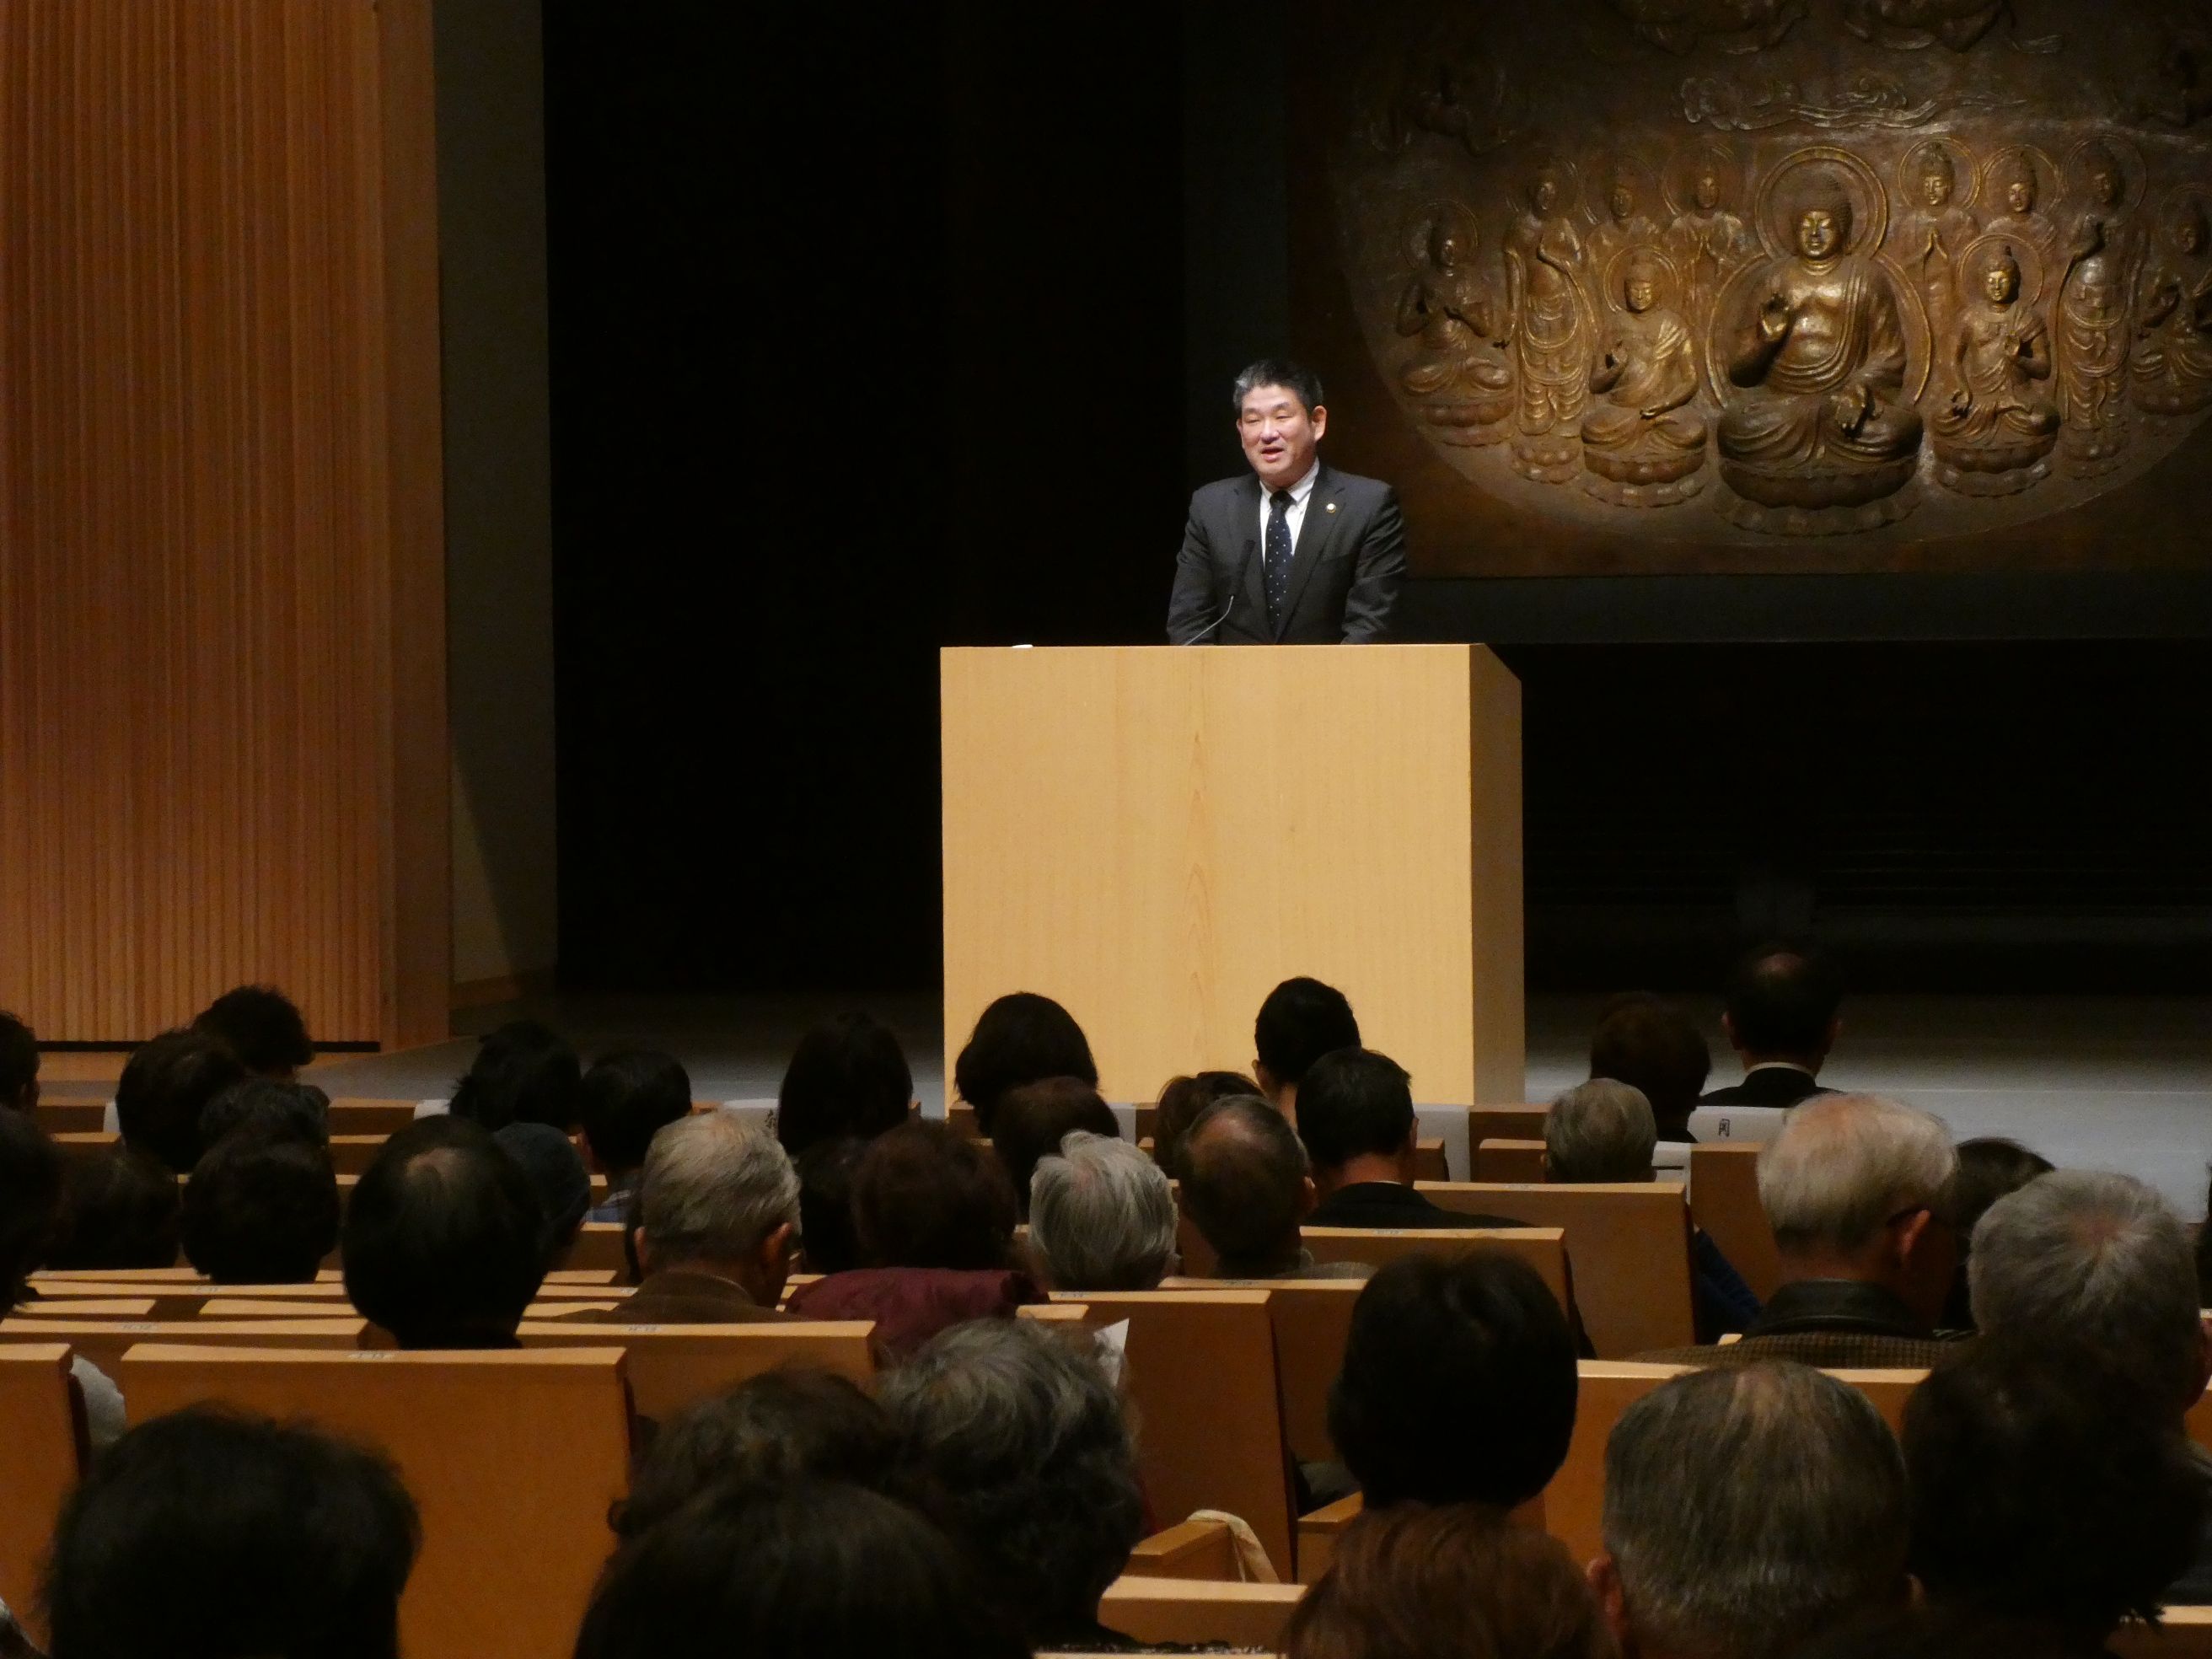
x: 1158, y: 837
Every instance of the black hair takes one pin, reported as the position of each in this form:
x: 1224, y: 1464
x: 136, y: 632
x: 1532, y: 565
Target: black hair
x: 165, y: 1086
x: 526, y: 1072
x: 265, y: 1104
x: 1182, y: 1101
x: 1782, y: 1000
x: 557, y: 1172
x: 825, y: 1170
x: 927, y: 1196
x: 209, y: 1532
x: 849, y: 1076
x: 19, y: 1060
x: 262, y: 1026
x: 628, y: 1097
x: 1302, y: 1020
x: 1649, y: 1043
x: 1276, y: 371
x: 1243, y: 1174
x: 119, y: 1209
x: 1443, y: 1340
x: 444, y: 1240
x: 30, y: 1200
x: 1354, y: 1101
x: 1033, y: 1120
x: 1018, y: 1039
x: 261, y: 1207
x: 1990, y: 1168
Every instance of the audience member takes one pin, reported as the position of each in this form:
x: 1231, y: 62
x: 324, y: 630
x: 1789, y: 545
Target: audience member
x: 1747, y: 1509
x: 1300, y: 1020
x: 1246, y: 1188
x: 119, y: 1209
x: 1988, y: 1169
x: 204, y: 1534
x: 556, y: 1173
x: 774, y: 1429
x: 261, y: 1207
x: 1182, y: 1100
x: 2042, y: 1492
x: 1653, y: 1046
x: 443, y: 1243
x: 1356, y: 1117
x: 1438, y: 1341
x: 1858, y: 1191
x: 19, y: 1064
x: 524, y: 1071
x: 628, y: 1098
x: 165, y: 1086
x: 935, y: 1217
x: 717, y: 1225
x: 792, y: 1572
x: 1416, y: 1582
x: 297, y: 1109
x: 1103, y: 1216
x: 1022, y: 1434
x: 262, y: 1027
x: 849, y: 1076
x: 31, y: 1181
x: 1781, y: 1020
x: 830, y: 1244
x: 1032, y: 1120
x: 1020, y: 1038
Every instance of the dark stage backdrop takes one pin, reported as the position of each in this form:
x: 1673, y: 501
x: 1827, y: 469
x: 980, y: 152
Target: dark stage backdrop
x: 868, y: 340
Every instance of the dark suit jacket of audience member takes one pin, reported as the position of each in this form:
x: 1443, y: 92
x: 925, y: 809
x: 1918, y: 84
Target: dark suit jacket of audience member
x: 1347, y: 567
x: 1832, y: 1323
x: 1770, y: 1086
x: 674, y: 1296
x: 912, y: 1304
x: 1388, y: 1204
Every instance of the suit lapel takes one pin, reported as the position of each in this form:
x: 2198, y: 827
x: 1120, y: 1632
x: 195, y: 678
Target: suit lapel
x: 1250, y: 560
x: 1314, y: 537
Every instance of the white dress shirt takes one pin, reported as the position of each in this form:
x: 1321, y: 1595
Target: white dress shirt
x: 1295, y: 514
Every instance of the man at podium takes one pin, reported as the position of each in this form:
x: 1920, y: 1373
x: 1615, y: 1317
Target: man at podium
x: 1294, y: 553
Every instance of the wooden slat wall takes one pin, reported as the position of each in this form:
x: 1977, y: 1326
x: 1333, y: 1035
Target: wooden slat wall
x: 222, y: 750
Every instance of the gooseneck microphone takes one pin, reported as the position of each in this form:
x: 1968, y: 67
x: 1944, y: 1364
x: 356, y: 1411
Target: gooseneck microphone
x: 1235, y: 592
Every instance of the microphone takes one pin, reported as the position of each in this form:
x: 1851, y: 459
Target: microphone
x: 1235, y: 592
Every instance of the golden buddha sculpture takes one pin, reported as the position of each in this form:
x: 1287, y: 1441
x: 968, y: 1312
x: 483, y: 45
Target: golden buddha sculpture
x: 1709, y: 244
x: 1461, y: 370
x: 1552, y: 332
x: 1625, y: 225
x: 1995, y: 418
x: 1933, y: 235
x: 2171, y: 366
x: 1642, y: 434
x: 2016, y: 216
x: 2093, y: 317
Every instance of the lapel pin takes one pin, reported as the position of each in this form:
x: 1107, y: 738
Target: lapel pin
x: 1330, y: 507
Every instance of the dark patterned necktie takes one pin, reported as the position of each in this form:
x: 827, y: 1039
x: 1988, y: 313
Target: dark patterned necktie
x: 1279, y: 555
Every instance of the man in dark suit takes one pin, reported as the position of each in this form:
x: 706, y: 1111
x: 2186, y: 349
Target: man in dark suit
x: 1296, y: 553
x: 1356, y: 1117
x: 1782, y: 1021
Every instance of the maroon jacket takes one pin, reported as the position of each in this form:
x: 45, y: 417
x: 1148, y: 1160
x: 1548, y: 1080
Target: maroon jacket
x: 912, y: 1304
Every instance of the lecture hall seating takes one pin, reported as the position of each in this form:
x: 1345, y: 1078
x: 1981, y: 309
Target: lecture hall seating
x: 41, y: 1454
x: 672, y: 1366
x: 1724, y: 1201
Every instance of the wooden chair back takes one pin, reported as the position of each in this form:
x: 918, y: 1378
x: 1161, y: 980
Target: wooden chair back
x: 121, y: 1305
x: 370, y: 1117
x: 1204, y: 1549
x: 1318, y: 1531
x: 41, y: 1454
x: 70, y: 1117
x: 1311, y: 1318
x: 1521, y: 1161
x: 599, y: 1248
x: 1429, y: 1161
x: 1543, y: 1249
x: 672, y: 1366
x: 1724, y: 1201
x: 1189, y: 1614
x: 2199, y: 1420
x: 2182, y: 1633
x: 1516, y: 1122
x: 513, y: 1460
x: 351, y: 1153
x: 103, y: 1341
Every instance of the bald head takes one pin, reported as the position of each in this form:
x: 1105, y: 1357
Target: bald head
x: 1245, y: 1186
x: 1782, y: 1006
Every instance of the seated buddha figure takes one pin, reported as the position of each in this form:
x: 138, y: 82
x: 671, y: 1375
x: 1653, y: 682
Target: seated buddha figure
x: 2172, y: 361
x: 1997, y: 416
x: 1461, y: 366
x: 1640, y: 433
x: 1817, y: 354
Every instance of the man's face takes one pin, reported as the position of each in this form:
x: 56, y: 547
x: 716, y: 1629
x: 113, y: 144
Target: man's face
x: 1279, y: 435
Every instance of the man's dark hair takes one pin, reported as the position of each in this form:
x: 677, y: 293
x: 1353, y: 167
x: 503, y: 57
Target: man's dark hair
x: 927, y: 1196
x: 1782, y: 1000
x: 1990, y: 1168
x: 1182, y: 1100
x: 813, y: 1567
x: 523, y: 1073
x: 2035, y: 1496
x: 826, y: 1171
x: 1437, y: 1339
x: 206, y: 1533
x: 119, y: 1209
x: 261, y: 1208
x: 1018, y: 1039
x: 30, y: 1199
x: 1354, y: 1101
x: 1243, y: 1175
x: 1650, y: 1044
x: 777, y: 1428
x: 1302, y: 1020
x: 18, y: 1062
x: 165, y: 1086
x: 1276, y: 371
x: 849, y: 1076
x: 1033, y: 1120
x: 557, y: 1174
x: 629, y: 1096
x: 444, y: 1240
x: 262, y: 1026
x: 265, y: 1105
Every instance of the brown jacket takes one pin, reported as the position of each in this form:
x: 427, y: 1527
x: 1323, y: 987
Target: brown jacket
x: 1836, y: 1324
x: 679, y: 1297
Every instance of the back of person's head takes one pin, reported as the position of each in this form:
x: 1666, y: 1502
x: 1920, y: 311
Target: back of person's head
x: 557, y: 1174
x: 1474, y: 1337
x: 2098, y: 1262
x: 927, y: 1196
x: 2033, y: 1496
x: 220, y: 1536
x: 262, y: 1027
x: 826, y: 1171
x: 1748, y: 1507
x: 1018, y: 1427
x: 1782, y: 1002
x: 1415, y: 1582
x: 1032, y: 1120
x: 1652, y: 1045
x: 714, y: 1189
x: 1990, y: 1167
x: 30, y: 1201
x: 1845, y: 1167
x: 444, y: 1241
x: 628, y: 1098
x: 1354, y: 1102
x: 524, y: 1071
x: 849, y: 1076
x: 788, y: 1572
x: 265, y: 1104
x: 1182, y: 1100
x: 165, y: 1085
x: 19, y: 1063
x: 261, y: 1207
x: 1103, y: 1216
x: 1245, y: 1185
x: 774, y: 1429
x: 1018, y: 1039
x: 1602, y: 1130
x: 1300, y: 1020
x: 119, y: 1209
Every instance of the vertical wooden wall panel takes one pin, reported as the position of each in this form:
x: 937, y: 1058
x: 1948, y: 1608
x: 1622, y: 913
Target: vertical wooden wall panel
x: 223, y: 748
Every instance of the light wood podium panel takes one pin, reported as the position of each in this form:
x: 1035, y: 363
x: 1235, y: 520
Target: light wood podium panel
x: 1156, y: 836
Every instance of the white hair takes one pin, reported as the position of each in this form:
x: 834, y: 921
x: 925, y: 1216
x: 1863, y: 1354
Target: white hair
x: 1102, y: 1216
x: 1601, y: 1130
x: 1845, y: 1165
x: 713, y: 1188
